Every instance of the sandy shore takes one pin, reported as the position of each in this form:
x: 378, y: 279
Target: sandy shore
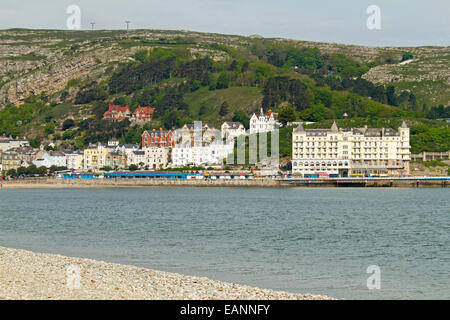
x: 29, y: 275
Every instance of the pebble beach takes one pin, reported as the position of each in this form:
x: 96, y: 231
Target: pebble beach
x: 38, y: 276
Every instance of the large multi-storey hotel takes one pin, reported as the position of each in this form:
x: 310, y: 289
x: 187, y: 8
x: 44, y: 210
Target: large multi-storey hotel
x: 347, y: 152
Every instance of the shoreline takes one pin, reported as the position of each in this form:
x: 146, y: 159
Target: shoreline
x: 442, y: 182
x: 134, y: 183
x: 40, y: 276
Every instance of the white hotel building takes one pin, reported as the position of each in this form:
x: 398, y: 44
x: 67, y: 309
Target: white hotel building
x: 346, y: 152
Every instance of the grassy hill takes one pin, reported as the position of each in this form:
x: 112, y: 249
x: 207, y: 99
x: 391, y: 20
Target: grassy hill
x: 55, y: 85
x: 247, y: 99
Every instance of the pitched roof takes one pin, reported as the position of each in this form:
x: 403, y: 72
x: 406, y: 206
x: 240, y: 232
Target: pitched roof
x: 157, y: 133
x: 143, y: 111
x: 373, y: 132
x: 334, y: 127
x: 300, y: 128
x: 234, y: 125
x: 317, y: 132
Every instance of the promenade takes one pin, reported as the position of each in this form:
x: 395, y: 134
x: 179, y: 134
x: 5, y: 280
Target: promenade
x: 411, y: 182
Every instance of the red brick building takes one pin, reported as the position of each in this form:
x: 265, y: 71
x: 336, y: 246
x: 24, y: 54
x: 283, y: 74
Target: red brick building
x: 116, y: 113
x: 142, y: 114
x: 158, y: 139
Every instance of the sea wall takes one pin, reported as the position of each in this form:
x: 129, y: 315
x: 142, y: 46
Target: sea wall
x: 324, y: 183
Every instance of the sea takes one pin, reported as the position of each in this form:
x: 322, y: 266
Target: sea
x: 348, y: 243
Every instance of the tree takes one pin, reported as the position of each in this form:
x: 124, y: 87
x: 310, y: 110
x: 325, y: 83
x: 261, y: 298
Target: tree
x: 287, y: 114
x: 68, y: 123
x: 53, y: 168
x: 21, y: 171
x: 391, y: 97
x: 35, y: 142
x: 49, y: 128
x: 222, y: 81
x: 196, y: 84
x: 32, y: 169
x: 244, y: 67
x: 142, y: 55
x: 171, y: 120
x: 11, y: 172
x: 69, y: 134
x: 224, y: 109
x: 202, y: 110
x: 242, y: 117
x: 233, y: 65
x: 133, y: 167
x: 276, y: 56
x: 407, y: 56
x: 316, y: 113
x: 42, y: 170
x: 122, y: 101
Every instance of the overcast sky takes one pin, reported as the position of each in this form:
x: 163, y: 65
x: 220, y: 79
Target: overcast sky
x: 403, y: 22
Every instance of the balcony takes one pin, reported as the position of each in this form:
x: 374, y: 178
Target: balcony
x: 377, y: 166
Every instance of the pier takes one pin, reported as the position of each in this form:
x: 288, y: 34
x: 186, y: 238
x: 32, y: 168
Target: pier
x: 390, y: 182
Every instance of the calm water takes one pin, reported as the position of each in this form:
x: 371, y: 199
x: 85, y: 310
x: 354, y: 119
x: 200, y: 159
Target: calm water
x: 299, y: 240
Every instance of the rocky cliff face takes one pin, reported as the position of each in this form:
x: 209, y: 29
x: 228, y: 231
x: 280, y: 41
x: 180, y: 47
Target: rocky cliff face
x: 51, y: 80
x: 34, y: 61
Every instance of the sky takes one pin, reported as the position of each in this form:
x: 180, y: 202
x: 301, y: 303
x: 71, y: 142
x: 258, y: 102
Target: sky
x: 402, y: 22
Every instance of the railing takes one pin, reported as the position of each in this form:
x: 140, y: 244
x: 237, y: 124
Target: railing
x: 377, y: 166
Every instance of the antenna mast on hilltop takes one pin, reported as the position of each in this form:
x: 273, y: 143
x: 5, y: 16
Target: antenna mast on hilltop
x: 92, y: 24
x: 128, y: 24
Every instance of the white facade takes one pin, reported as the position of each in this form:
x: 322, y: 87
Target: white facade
x: 136, y: 158
x: 210, y: 154
x: 347, y: 152
x: 151, y: 158
x: 231, y: 130
x: 51, y: 158
x: 74, y: 160
x: 9, y: 143
x: 263, y: 122
x: 126, y: 149
x: 156, y: 158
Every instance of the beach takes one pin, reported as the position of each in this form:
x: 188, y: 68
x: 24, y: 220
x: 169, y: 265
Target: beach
x: 38, y: 276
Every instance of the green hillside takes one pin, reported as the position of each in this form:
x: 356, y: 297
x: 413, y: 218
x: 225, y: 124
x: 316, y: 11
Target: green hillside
x: 247, y: 99
x: 56, y: 85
